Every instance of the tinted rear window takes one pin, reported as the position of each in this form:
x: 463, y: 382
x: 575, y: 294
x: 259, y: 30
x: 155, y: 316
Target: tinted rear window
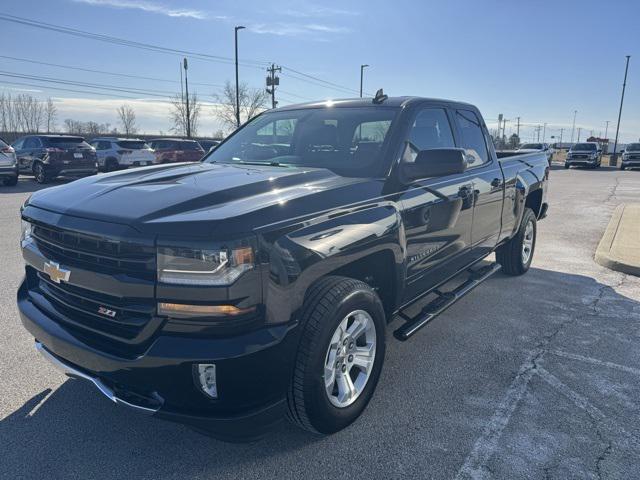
x: 188, y: 145
x: 584, y: 147
x: 133, y: 144
x: 66, y: 142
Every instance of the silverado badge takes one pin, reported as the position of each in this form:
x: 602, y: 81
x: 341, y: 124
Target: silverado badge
x: 56, y: 272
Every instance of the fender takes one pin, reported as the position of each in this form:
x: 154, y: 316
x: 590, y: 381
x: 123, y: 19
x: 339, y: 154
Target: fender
x: 303, y: 253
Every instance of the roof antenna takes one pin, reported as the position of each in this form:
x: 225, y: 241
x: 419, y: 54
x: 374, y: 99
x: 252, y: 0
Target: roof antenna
x: 380, y: 97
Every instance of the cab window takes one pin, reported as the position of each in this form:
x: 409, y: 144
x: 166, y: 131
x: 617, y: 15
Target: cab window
x: 473, y: 139
x: 430, y: 129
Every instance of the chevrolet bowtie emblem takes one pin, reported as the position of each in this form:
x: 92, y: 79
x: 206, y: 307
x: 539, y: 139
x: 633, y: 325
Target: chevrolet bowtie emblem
x: 56, y: 272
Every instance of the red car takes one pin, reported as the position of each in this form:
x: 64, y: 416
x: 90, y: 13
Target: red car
x: 171, y: 150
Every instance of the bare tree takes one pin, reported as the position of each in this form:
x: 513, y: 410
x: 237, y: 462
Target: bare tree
x: 30, y: 112
x: 50, y: 112
x: 127, y: 118
x: 252, y: 102
x: 179, y: 115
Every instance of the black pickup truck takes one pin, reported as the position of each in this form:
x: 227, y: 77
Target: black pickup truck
x: 258, y: 283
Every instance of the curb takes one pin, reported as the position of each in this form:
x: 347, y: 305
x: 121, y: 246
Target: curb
x: 619, y: 248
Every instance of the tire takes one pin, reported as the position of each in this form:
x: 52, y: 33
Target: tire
x: 567, y: 166
x: 11, y: 181
x: 333, y: 302
x: 110, y: 165
x: 622, y: 166
x: 40, y: 174
x: 511, y: 255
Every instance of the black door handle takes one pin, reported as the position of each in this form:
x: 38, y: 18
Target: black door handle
x: 496, y: 182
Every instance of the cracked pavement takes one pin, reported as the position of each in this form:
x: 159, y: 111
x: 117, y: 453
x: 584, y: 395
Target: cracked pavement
x: 529, y: 377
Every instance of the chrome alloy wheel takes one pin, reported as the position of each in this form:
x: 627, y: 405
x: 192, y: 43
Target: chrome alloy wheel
x: 350, y: 358
x: 527, y: 242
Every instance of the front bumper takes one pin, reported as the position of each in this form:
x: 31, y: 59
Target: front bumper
x: 581, y: 162
x: 70, y: 171
x: 253, y: 374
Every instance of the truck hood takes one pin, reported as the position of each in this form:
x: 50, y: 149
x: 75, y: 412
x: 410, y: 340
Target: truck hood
x: 203, y: 199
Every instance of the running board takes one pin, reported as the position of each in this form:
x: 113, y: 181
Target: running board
x: 443, y: 301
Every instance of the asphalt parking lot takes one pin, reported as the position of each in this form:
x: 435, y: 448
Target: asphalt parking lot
x: 533, y: 377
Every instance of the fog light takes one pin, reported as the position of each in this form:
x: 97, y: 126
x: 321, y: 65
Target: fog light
x: 181, y: 310
x: 206, y: 373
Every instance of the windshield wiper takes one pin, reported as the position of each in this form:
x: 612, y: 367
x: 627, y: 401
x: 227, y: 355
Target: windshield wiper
x: 271, y: 164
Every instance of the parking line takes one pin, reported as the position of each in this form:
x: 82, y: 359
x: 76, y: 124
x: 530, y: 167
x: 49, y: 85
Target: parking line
x: 619, y: 435
x: 595, y: 361
x: 486, y: 444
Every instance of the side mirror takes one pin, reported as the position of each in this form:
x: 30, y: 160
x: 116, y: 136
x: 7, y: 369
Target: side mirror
x: 438, y: 162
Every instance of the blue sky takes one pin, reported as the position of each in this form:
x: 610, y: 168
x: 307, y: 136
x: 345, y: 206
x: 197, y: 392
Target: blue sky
x: 538, y: 60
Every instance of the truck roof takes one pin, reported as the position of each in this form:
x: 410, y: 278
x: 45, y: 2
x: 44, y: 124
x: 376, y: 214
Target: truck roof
x: 368, y: 102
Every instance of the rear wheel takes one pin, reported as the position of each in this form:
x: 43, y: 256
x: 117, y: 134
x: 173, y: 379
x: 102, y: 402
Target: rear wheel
x: 40, y: 174
x: 516, y: 255
x: 340, y: 355
x: 110, y: 165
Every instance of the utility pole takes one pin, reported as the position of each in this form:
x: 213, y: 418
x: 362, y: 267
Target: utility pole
x: 504, y: 127
x: 186, y: 90
x: 574, y: 124
x: 538, y: 128
x: 272, y: 81
x: 518, y: 128
x: 579, y: 129
x: 239, y: 27
x: 614, y: 159
x: 561, y: 130
x: 606, y: 129
x: 544, y: 133
x: 362, y: 67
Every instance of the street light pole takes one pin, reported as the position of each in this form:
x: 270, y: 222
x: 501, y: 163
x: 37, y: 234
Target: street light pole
x: 362, y: 67
x: 624, y: 85
x: 606, y: 129
x: 573, y: 128
x: 239, y: 27
x: 186, y: 90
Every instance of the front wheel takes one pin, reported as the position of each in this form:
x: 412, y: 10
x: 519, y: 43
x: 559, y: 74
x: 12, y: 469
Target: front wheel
x: 40, y: 174
x: 516, y: 255
x: 340, y: 355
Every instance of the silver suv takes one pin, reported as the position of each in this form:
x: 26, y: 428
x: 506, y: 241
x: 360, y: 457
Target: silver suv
x: 118, y: 153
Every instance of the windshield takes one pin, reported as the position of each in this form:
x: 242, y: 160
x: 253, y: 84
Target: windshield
x: 532, y: 146
x: 633, y: 147
x: 589, y: 147
x: 346, y: 140
x: 133, y: 144
x: 66, y: 142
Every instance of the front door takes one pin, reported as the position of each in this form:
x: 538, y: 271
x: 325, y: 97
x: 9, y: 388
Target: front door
x: 437, y: 212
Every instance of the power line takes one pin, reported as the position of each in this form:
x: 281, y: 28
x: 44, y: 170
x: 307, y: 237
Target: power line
x: 98, y: 86
x: 314, y: 80
x: 124, y: 42
x: 111, y: 95
x: 104, y: 72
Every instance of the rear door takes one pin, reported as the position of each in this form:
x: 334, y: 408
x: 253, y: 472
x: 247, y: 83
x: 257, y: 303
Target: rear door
x: 486, y: 175
x: 437, y: 212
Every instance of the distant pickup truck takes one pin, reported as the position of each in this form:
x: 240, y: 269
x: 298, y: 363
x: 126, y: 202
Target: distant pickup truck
x: 537, y: 147
x: 587, y: 154
x: 258, y: 283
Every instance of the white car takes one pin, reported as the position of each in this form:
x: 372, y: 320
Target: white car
x: 8, y: 165
x: 118, y: 153
x: 537, y: 147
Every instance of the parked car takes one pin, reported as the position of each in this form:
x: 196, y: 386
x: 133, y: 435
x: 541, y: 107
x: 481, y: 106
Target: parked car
x: 537, y: 147
x: 51, y: 156
x: 8, y: 164
x: 171, y: 150
x: 207, y: 145
x: 260, y: 282
x: 118, y: 153
x: 587, y: 154
x: 631, y: 156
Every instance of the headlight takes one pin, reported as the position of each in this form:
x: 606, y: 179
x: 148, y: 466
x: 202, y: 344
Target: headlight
x: 215, y: 267
x: 25, y: 235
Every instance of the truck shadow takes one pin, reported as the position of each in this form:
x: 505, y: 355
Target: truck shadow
x: 29, y: 185
x: 74, y: 432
